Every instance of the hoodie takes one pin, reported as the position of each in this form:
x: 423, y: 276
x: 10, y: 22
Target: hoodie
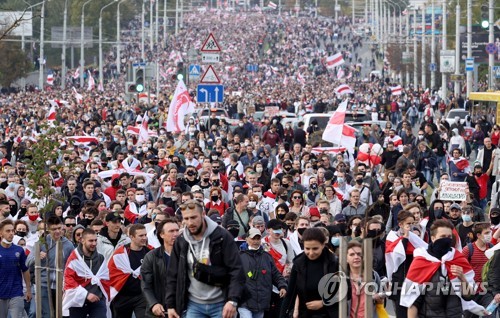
x: 73, y: 239
x: 94, y: 262
x: 199, y: 292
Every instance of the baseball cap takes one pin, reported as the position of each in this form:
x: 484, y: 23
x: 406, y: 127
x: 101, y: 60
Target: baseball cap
x: 216, y: 218
x: 233, y: 224
x: 258, y: 220
x: 456, y: 206
x: 313, y: 211
x: 195, y: 188
x: 340, y: 217
x: 113, y: 217
x: 253, y: 232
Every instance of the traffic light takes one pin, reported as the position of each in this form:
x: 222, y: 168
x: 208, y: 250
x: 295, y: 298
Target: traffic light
x: 130, y: 88
x: 181, y: 71
x: 139, y: 80
x: 485, y: 18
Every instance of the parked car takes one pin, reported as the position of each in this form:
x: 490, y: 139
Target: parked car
x: 359, y: 125
x: 462, y: 113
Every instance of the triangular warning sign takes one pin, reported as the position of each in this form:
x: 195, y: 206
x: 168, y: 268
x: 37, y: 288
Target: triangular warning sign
x: 210, y: 45
x: 210, y: 77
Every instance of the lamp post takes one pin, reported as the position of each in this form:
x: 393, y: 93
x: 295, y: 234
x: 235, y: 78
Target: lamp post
x: 491, y: 39
x: 433, y: 46
x: 41, y: 59
x: 23, y: 80
x: 164, y: 23
x: 444, y: 77
x: 63, y: 54
x: 415, y: 50
x: 456, y: 89
x: 469, y: 45
x: 424, y: 60
x: 118, y: 44
x: 101, y: 75
x: 142, y: 30
x: 82, y: 43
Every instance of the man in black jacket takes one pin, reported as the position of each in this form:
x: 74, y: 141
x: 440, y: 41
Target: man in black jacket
x: 215, y: 287
x: 154, y: 269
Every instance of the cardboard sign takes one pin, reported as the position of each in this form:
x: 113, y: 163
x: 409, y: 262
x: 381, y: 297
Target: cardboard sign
x: 271, y: 111
x: 453, y: 191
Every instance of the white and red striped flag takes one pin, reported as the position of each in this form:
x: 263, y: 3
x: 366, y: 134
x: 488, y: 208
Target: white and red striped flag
x: 395, y: 253
x: 143, y: 130
x: 91, y: 83
x: 78, y: 96
x: 51, y: 116
x: 58, y: 103
x: 180, y: 106
x: 396, y: 90
x: 119, y: 271
x: 50, y: 78
x: 334, y: 60
x: 343, y: 89
x: 76, y: 73
x: 272, y: 5
x: 340, y: 73
x: 83, y: 140
x: 349, y: 76
x: 339, y: 133
x: 423, y: 268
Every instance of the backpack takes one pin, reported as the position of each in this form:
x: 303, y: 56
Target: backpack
x: 471, y: 251
x: 486, y: 268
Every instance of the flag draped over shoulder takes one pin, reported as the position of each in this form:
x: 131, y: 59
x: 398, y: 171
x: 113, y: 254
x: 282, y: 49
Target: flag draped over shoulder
x: 120, y: 271
x: 423, y: 268
x: 395, y: 253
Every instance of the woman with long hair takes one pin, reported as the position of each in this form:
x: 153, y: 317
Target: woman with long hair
x: 298, y: 204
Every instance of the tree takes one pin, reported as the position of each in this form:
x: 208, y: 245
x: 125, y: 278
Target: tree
x: 14, y: 63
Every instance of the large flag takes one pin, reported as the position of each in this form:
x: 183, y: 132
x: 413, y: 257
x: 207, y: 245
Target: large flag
x: 423, y: 268
x: 52, y: 114
x: 395, y: 253
x: 78, y: 97
x: 180, y: 106
x: 120, y: 270
x: 272, y: 5
x: 77, y: 276
x: 334, y: 60
x: 91, y: 85
x: 340, y: 73
x: 143, y: 130
x: 396, y: 90
x: 76, y: 73
x: 58, y: 103
x: 339, y: 133
x: 343, y: 89
x: 50, y: 78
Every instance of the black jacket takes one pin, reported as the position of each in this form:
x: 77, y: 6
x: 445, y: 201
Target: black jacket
x: 223, y: 252
x: 297, y: 284
x: 154, y: 279
x: 494, y: 274
x: 260, y: 282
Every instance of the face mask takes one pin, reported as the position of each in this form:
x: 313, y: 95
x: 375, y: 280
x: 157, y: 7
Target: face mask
x: 440, y: 247
x: 167, y: 188
x: 122, y: 142
x: 12, y: 185
x: 478, y: 174
x: 335, y: 241
x: 280, y: 231
x: 206, y: 180
x: 420, y: 137
x: 234, y: 231
x: 240, y: 124
x: 259, y: 169
x: 340, y: 180
x: 487, y: 239
x: 258, y: 194
x: 281, y: 216
x: 6, y: 242
x: 314, y: 186
x: 282, y: 151
x: 353, y: 228
x: 438, y: 213
x: 301, y: 231
x: 466, y: 218
x: 309, y: 170
x: 359, y: 181
x: 252, y: 204
x: 174, y: 198
x: 495, y: 220
x: 372, y: 233
x: 140, y: 197
x: 216, y: 183
x: 145, y: 149
x: 33, y: 218
x: 296, y: 179
x: 21, y: 233
x: 215, y: 198
x: 214, y: 158
x: 2, y: 180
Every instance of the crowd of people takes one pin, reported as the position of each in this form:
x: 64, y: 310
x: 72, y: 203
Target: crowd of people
x: 219, y: 221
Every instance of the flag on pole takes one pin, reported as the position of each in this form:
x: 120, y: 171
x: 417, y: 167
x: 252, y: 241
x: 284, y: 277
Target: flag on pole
x: 91, y: 85
x: 396, y: 90
x: 339, y: 133
x: 78, y: 97
x: 58, y: 103
x: 52, y: 114
x: 76, y: 73
x: 180, y: 106
x: 334, y: 60
x: 340, y: 73
x: 50, y: 78
x: 343, y: 89
x: 272, y: 5
x: 143, y: 130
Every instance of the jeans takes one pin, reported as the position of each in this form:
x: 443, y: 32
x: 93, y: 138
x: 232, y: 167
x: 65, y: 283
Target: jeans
x: 428, y: 176
x: 12, y: 307
x: 246, y: 313
x: 441, y: 161
x: 97, y: 310
x: 195, y: 310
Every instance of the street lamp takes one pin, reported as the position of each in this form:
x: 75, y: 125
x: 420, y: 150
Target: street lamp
x: 118, y: 44
x: 82, y: 44
x: 63, y: 55
x: 41, y: 59
x: 23, y: 80
x: 101, y: 75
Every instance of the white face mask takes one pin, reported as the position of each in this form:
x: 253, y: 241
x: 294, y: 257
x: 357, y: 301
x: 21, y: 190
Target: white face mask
x: 487, y: 239
x: 174, y: 198
x: 252, y: 204
x: 167, y: 188
x: 140, y: 197
x: 258, y: 170
x: 258, y: 194
x: 141, y: 185
x: 6, y: 242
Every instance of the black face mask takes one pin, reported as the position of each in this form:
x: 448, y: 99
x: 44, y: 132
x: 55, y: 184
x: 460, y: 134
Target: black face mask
x: 206, y: 180
x: 359, y: 181
x: 21, y: 233
x: 495, y: 220
x: 478, y: 174
x: 216, y: 183
x: 372, y: 233
x: 234, y: 231
x: 314, y: 186
x: 281, y: 216
x: 214, y: 198
x: 284, y: 197
x: 301, y: 231
x: 440, y: 247
x: 323, y: 211
x: 438, y: 213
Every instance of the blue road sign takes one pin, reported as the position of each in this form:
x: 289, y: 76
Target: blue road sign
x: 491, y: 48
x: 469, y: 64
x: 210, y: 93
x: 252, y: 67
x: 194, y: 70
x: 138, y: 64
x: 433, y: 67
x: 496, y: 71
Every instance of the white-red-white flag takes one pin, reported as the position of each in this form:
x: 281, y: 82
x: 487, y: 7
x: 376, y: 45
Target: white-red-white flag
x: 395, y: 252
x: 396, y: 90
x: 343, y: 89
x: 58, y: 103
x: 272, y: 5
x: 143, y: 130
x: 340, y: 73
x: 180, y: 106
x: 52, y: 114
x: 91, y: 82
x: 78, y: 96
x: 76, y: 73
x: 50, y: 79
x: 335, y: 60
x: 339, y: 133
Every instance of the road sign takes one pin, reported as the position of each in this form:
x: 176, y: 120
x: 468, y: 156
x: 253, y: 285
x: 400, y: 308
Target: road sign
x: 210, y: 77
x: 138, y: 64
x: 210, y: 93
x: 491, y: 48
x: 496, y: 71
x: 457, y: 77
x: 210, y: 58
x: 210, y: 45
x: 194, y: 70
x: 469, y: 64
x: 252, y: 67
x: 433, y: 67
x: 447, y: 61
x: 192, y: 54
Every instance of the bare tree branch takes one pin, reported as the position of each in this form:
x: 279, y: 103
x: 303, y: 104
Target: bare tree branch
x: 9, y: 27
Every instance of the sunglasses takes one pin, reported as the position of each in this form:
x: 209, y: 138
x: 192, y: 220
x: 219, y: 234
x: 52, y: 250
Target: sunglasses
x: 70, y: 224
x: 191, y: 204
x: 297, y: 197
